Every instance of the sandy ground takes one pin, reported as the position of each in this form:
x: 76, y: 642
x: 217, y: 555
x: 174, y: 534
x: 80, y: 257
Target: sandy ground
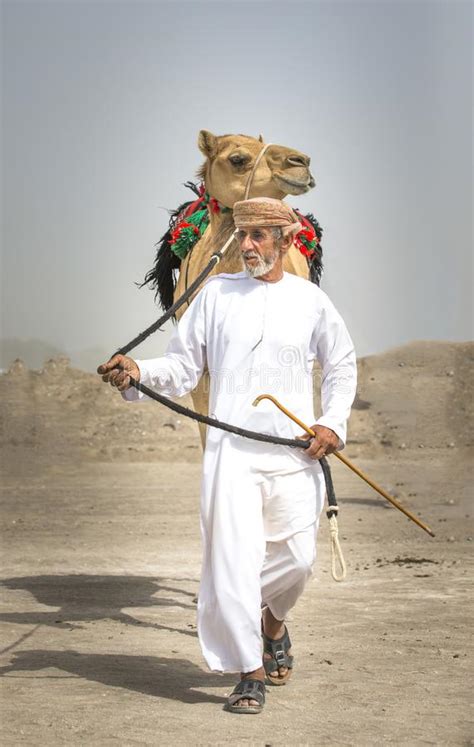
x: 101, y: 555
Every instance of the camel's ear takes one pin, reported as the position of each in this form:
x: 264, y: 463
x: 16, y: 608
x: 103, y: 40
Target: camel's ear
x: 260, y: 138
x: 207, y: 143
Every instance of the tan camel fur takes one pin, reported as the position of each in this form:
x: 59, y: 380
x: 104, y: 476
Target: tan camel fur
x: 229, y: 161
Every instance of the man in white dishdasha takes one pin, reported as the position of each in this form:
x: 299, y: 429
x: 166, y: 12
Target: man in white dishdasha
x: 257, y: 331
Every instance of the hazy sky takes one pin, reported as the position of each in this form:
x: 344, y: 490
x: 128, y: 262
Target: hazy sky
x: 102, y: 103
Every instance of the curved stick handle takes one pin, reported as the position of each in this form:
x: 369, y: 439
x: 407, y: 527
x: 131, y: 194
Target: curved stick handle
x: 349, y: 464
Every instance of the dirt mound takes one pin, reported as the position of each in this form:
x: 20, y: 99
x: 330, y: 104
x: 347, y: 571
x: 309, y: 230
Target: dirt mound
x: 61, y: 413
x: 418, y: 396
x: 414, y: 397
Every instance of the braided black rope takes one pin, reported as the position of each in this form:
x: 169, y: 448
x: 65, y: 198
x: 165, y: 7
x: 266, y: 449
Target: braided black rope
x: 330, y: 492
x: 253, y: 435
x: 171, y: 311
x: 187, y: 412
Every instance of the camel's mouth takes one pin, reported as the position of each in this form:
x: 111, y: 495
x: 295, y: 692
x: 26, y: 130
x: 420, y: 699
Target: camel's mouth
x: 294, y: 185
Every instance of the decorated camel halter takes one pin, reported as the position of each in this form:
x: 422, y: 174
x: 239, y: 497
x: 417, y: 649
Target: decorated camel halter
x: 194, y: 220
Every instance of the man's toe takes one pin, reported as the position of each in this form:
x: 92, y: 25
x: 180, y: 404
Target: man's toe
x: 246, y: 703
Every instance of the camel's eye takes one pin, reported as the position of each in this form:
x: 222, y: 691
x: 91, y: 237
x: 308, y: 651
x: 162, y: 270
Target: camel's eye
x: 237, y: 159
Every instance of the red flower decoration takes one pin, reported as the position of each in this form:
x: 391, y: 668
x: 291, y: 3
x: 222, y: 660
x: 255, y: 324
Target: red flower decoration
x: 177, y: 231
x: 193, y: 207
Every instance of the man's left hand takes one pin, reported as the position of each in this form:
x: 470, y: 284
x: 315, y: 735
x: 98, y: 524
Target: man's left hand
x: 324, y: 442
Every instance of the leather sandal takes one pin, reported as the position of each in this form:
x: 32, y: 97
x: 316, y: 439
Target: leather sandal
x: 247, y: 690
x: 278, y: 649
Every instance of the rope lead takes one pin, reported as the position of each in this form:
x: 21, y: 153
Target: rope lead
x: 336, y: 551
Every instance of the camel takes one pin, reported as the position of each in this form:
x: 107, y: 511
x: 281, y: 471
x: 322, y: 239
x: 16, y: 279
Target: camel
x: 200, y: 227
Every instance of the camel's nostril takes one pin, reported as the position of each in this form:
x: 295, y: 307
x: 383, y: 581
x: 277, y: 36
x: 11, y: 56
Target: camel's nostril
x: 298, y: 160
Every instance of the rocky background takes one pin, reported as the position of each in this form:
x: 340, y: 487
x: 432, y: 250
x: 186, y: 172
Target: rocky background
x: 418, y: 396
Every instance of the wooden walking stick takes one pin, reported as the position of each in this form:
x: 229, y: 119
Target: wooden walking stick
x: 349, y: 464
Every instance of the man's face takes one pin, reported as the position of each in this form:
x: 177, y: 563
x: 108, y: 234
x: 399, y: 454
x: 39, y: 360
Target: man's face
x: 258, y: 248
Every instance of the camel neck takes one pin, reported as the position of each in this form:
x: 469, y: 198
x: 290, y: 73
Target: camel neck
x: 220, y: 221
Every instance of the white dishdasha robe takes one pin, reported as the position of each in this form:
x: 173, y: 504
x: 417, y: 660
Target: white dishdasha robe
x: 260, y: 503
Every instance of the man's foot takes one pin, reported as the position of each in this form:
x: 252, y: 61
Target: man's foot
x: 276, y: 649
x: 249, y: 695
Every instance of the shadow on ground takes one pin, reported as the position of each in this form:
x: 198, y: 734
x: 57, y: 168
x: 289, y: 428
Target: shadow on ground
x: 86, y: 598
x: 158, y: 677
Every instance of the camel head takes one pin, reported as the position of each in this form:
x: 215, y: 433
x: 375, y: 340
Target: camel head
x: 229, y: 161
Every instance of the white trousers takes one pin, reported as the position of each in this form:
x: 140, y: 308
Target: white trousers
x: 259, y: 519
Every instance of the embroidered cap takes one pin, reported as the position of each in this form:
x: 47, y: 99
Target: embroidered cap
x: 266, y: 211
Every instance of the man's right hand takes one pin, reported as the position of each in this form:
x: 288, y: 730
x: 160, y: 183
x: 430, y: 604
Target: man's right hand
x: 118, y: 370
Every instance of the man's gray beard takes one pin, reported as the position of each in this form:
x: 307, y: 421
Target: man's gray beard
x: 262, y: 267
